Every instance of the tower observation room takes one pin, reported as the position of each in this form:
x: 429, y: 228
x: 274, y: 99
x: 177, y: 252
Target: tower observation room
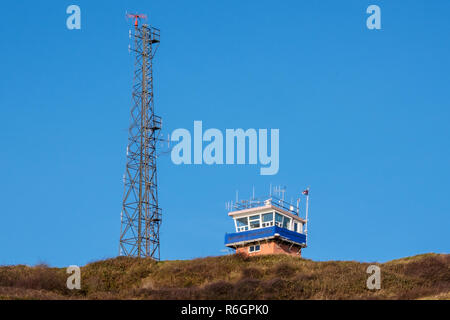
x: 267, y: 226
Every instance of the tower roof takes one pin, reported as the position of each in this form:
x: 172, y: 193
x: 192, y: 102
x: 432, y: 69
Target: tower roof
x: 257, y: 206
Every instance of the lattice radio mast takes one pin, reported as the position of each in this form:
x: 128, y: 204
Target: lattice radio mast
x: 141, y: 214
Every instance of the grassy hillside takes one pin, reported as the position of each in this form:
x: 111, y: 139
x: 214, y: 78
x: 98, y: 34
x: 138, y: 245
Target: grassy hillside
x: 233, y: 277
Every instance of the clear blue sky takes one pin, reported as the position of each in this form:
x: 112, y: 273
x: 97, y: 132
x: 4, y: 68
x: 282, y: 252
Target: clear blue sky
x: 363, y: 118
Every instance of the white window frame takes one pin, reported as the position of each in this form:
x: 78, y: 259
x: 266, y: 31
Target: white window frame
x: 258, y: 219
x: 273, y: 222
x: 288, y: 225
x: 279, y: 224
x: 267, y: 223
x: 242, y: 228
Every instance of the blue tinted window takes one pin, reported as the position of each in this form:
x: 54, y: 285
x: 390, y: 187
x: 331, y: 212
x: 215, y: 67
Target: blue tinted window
x: 286, y: 222
x: 267, y: 217
x: 254, y: 224
x: 242, y: 222
x: 278, y: 218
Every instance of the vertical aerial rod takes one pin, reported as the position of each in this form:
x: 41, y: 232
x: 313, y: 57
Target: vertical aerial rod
x: 141, y: 214
x: 306, y: 193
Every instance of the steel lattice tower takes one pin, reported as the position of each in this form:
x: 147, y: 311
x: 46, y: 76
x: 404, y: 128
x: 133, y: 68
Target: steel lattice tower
x: 141, y: 215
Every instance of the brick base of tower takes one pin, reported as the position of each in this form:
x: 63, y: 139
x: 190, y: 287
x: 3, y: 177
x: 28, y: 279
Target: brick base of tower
x: 271, y: 247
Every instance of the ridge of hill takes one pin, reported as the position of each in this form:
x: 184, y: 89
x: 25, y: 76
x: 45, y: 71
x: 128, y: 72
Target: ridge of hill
x: 425, y: 276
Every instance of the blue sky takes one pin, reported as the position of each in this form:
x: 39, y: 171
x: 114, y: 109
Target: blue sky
x: 363, y: 118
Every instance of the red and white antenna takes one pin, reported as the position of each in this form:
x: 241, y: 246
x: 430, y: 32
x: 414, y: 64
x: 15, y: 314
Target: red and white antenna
x: 136, y: 17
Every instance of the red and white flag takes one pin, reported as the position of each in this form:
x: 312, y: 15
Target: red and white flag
x: 306, y: 192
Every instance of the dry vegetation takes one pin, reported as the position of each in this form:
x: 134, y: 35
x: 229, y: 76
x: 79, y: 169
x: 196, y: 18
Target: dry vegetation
x: 233, y: 277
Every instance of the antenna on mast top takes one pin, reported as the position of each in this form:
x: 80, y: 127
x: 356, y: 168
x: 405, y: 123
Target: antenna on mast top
x: 136, y: 17
x: 280, y: 191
